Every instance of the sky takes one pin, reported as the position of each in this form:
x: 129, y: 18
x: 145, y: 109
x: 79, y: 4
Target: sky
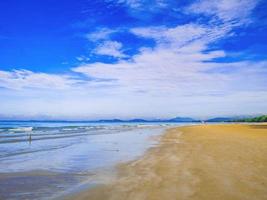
x: 95, y: 59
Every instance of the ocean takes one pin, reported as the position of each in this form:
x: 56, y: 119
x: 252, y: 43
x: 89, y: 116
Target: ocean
x: 45, y: 160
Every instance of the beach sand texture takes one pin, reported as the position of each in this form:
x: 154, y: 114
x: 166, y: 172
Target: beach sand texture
x: 202, y: 162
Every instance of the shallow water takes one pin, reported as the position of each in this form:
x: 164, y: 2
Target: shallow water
x: 40, y: 160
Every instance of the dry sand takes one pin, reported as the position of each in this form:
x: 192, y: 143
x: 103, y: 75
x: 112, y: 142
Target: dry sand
x: 204, y: 162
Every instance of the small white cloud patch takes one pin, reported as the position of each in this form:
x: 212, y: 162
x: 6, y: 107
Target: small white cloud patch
x: 110, y: 48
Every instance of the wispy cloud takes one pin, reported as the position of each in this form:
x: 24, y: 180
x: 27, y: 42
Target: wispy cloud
x: 181, y: 55
x: 142, y: 4
x: 106, y: 46
x: 182, y: 68
x: 19, y: 79
x: 237, y: 11
x: 110, y: 48
x: 179, y: 61
x: 181, y: 58
x: 100, y: 34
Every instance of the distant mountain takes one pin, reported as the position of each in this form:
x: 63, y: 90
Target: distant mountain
x: 262, y: 118
x: 182, y: 119
x: 176, y: 119
x: 137, y: 120
x: 109, y: 121
x: 219, y: 119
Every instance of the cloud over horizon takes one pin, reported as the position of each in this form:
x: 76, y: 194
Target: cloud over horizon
x: 177, y: 69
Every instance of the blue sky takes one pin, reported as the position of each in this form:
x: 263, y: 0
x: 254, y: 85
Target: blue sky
x: 132, y: 58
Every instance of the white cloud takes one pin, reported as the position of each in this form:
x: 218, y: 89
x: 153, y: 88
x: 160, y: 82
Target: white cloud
x: 181, y: 59
x: 82, y: 58
x: 173, y: 65
x: 18, y: 79
x: 178, y: 35
x: 100, y: 34
x: 236, y: 11
x: 141, y: 5
x: 180, y: 73
x: 177, y: 76
x: 106, y: 46
x: 132, y: 3
x: 110, y: 48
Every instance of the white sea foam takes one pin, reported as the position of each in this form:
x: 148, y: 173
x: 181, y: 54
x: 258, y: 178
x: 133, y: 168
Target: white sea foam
x: 146, y: 125
x: 21, y: 129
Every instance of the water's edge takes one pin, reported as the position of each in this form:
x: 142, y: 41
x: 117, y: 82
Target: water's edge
x: 67, y: 159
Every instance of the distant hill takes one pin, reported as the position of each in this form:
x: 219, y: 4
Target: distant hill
x: 262, y: 118
x: 137, y: 120
x: 182, y: 119
x: 176, y: 119
x: 172, y: 120
x: 109, y: 120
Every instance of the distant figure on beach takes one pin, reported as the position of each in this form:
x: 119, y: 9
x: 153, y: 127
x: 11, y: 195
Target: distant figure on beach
x: 30, y: 138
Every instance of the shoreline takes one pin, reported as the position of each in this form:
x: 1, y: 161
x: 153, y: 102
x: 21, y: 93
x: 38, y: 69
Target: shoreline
x: 74, y: 163
x: 209, y: 161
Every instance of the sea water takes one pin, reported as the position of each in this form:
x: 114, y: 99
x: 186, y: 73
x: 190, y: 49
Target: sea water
x: 39, y: 160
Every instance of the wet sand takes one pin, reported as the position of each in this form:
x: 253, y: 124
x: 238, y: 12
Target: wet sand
x: 203, y: 162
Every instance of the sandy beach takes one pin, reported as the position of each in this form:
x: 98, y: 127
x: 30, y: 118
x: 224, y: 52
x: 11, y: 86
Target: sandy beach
x: 222, y: 162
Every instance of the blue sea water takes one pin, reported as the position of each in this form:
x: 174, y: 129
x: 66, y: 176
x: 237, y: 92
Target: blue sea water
x: 39, y: 160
